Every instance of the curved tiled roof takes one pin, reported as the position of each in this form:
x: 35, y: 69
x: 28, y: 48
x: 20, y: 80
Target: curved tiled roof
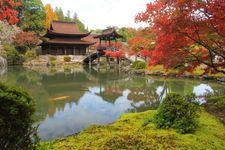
x: 70, y: 41
x: 63, y: 32
x: 64, y: 27
x: 110, y: 32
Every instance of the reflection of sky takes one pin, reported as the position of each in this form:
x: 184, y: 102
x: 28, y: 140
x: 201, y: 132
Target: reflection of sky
x: 159, y: 90
x: 202, y: 89
x: 91, y: 109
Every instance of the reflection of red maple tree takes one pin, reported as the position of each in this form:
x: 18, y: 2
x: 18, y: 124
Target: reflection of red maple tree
x: 189, y: 32
x: 8, y: 11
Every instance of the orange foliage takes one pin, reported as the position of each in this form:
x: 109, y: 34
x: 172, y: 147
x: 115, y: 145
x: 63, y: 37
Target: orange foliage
x: 144, y: 38
x: 8, y: 11
x: 50, y: 15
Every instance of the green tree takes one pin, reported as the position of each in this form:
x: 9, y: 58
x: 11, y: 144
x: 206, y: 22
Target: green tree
x: 32, y: 16
x: 67, y: 17
x: 59, y: 13
x: 16, y: 123
x: 75, y: 18
x: 80, y: 25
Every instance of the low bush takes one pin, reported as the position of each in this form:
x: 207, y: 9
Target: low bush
x: 138, y: 65
x: 52, y: 60
x: 30, y: 54
x: 13, y: 56
x: 67, y: 58
x: 16, y: 123
x: 178, y: 112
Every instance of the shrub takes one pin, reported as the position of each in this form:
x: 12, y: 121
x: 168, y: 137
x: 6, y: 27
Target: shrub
x: 138, y: 65
x: 16, y: 123
x: 178, y: 112
x: 134, y: 64
x: 31, y: 54
x: 52, y: 60
x: 13, y: 56
x: 67, y: 58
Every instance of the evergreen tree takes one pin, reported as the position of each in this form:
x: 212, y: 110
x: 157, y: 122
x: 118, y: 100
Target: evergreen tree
x: 59, y: 13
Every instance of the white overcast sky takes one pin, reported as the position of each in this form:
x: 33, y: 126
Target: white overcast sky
x: 99, y: 14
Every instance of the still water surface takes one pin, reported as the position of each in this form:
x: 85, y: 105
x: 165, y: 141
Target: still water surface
x: 70, y: 100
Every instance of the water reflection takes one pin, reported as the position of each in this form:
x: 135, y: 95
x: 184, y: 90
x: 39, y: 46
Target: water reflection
x: 69, y: 101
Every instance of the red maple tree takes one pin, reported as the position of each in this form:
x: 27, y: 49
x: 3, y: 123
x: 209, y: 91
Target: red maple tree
x: 132, y: 52
x: 189, y: 33
x: 117, y: 54
x: 8, y: 10
x: 25, y: 40
x: 145, y: 54
x: 143, y: 38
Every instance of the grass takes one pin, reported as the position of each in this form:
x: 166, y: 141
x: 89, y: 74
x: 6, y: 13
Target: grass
x: 136, y: 131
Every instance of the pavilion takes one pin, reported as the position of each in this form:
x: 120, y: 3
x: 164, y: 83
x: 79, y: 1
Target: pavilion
x: 107, y: 35
x: 64, y: 38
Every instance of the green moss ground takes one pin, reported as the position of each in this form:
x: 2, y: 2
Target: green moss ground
x: 132, y: 131
x: 216, y: 106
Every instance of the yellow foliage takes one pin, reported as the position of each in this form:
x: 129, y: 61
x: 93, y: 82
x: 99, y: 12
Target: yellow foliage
x: 50, y: 15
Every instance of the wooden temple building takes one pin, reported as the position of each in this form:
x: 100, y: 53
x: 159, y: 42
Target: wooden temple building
x: 64, y: 38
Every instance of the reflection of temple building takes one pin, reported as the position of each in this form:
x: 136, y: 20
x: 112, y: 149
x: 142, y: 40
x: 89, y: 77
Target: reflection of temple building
x: 68, y: 88
x: 111, y: 93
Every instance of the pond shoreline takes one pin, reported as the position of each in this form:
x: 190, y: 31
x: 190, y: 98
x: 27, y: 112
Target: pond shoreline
x: 145, y: 72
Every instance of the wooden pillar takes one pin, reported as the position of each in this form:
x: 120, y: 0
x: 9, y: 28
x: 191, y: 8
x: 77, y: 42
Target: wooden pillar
x: 98, y: 58
x: 108, y: 62
x: 100, y: 43
x: 116, y: 43
x: 106, y: 42
x: 64, y: 50
x: 50, y: 49
x: 89, y: 58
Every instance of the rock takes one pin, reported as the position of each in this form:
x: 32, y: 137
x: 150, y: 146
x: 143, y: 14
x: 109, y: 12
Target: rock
x: 139, y: 72
x: 206, y: 77
x: 221, y: 79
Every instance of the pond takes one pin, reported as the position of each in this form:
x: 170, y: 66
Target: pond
x: 70, y: 100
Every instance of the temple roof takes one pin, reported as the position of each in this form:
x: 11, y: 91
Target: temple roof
x: 63, y: 32
x: 69, y: 41
x: 51, y: 33
x: 109, y: 33
x: 64, y: 28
